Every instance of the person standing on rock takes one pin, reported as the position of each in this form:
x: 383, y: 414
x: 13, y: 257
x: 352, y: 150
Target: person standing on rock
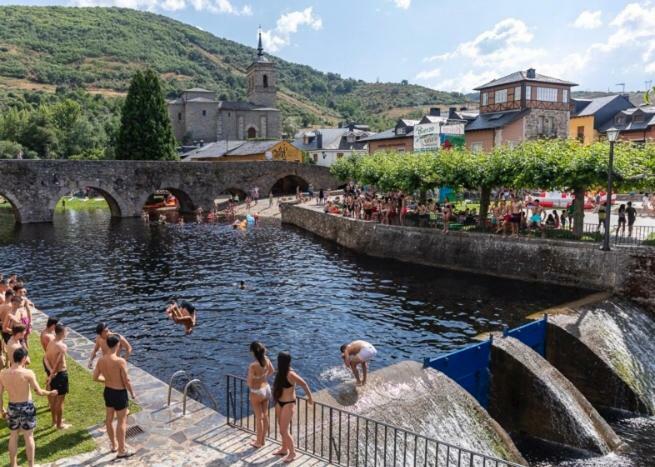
x: 358, y: 353
x: 112, y: 371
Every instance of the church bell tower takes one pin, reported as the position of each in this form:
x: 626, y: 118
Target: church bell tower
x: 262, y: 79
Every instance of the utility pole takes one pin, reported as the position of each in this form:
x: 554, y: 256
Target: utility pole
x: 622, y: 87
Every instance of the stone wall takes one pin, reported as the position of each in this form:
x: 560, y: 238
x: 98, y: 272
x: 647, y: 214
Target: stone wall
x: 34, y: 187
x: 557, y: 262
x: 559, y: 117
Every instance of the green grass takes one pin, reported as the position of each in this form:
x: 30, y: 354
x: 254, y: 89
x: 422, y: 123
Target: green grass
x: 84, y: 409
x: 81, y: 204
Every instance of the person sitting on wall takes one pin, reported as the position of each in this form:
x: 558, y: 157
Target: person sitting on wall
x: 183, y: 313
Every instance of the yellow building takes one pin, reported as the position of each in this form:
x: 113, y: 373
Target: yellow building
x: 589, y: 115
x: 245, y: 151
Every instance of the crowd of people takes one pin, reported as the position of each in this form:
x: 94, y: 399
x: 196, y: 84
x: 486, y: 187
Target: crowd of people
x: 509, y: 213
x: 18, y: 380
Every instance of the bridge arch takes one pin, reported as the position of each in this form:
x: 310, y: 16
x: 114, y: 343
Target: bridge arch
x: 288, y: 184
x: 184, y: 200
x: 16, y: 207
x: 117, y: 205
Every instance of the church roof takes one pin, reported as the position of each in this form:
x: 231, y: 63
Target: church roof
x: 202, y: 99
x: 253, y: 147
x: 240, y: 105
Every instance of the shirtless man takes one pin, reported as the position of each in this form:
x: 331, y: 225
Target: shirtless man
x: 184, y: 313
x: 103, y: 332
x: 112, y: 370
x: 55, y: 363
x: 12, y: 318
x: 5, y: 309
x: 21, y: 413
x: 47, y: 336
x: 358, y: 353
x: 15, y: 342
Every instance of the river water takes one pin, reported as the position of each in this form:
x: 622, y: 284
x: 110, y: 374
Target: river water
x: 302, y: 294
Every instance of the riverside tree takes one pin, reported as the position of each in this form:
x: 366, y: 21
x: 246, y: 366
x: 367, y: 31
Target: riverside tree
x: 540, y: 164
x: 145, y: 132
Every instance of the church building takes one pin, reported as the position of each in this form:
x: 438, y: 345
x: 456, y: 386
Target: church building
x: 197, y: 114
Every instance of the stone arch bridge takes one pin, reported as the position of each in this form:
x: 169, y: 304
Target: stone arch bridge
x: 33, y: 187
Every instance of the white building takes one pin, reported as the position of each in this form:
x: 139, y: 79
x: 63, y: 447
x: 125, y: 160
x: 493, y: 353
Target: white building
x: 327, y: 145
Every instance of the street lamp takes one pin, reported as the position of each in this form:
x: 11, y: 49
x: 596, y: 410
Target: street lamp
x: 612, y: 136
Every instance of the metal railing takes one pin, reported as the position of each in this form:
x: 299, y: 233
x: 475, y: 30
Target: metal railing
x: 345, y: 439
x: 638, y: 235
x: 185, y: 394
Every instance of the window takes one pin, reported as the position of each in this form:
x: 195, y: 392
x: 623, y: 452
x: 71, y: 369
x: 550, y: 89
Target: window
x: 339, y: 155
x: 179, y: 115
x: 638, y: 118
x: 581, y: 134
x: 315, y: 157
x: 565, y: 96
x: 476, y: 147
x: 265, y: 81
x: 400, y: 131
x: 620, y: 120
x: 501, y: 96
x: 528, y: 93
x: 547, y: 94
x: 485, y: 98
x: 517, y: 93
x: 204, y: 113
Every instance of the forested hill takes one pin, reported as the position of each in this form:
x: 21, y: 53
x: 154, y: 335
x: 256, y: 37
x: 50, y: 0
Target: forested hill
x: 100, y: 48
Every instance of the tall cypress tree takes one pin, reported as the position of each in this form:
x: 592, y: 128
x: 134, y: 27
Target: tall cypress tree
x: 145, y: 132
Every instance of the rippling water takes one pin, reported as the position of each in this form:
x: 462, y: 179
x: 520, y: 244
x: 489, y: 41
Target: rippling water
x: 302, y: 295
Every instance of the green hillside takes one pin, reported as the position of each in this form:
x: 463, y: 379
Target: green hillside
x: 100, y: 48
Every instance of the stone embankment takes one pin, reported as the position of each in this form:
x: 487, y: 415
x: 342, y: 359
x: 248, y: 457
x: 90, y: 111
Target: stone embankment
x: 626, y: 271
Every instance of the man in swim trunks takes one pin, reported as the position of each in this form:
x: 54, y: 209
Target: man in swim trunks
x: 112, y: 371
x: 5, y: 311
x: 536, y: 218
x: 47, y: 336
x: 55, y: 362
x: 21, y: 413
x: 358, y: 353
x: 5, y: 308
x: 103, y: 332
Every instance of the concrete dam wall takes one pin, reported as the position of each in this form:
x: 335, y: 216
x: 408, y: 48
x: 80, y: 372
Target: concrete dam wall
x: 568, y: 263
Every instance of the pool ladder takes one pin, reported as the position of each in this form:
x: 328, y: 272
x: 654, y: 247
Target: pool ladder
x: 193, y: 382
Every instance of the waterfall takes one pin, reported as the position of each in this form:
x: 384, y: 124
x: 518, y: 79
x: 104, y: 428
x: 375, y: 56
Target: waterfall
x: 426, y: 402
x: 530, y: 396
x: 622, y: 336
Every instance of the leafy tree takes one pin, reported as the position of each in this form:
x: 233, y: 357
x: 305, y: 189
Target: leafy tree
x: 10, y: 149
x: 145, y: 132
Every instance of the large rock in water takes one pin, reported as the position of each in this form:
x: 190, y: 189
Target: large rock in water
x: 425, y: 402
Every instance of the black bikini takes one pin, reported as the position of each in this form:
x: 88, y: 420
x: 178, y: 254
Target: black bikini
x: 286, y: 385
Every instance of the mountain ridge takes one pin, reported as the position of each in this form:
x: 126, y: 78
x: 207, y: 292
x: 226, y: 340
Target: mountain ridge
x: 99, y: 49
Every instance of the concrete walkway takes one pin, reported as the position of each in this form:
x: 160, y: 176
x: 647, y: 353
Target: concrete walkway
x: 168, y: 438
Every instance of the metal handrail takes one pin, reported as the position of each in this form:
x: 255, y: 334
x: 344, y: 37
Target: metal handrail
x: 348, y: 424
x: 203, y: 387
x: 170, y: 384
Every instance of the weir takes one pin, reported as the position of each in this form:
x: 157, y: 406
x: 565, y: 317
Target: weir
x: 607, y: 350
x: 529, y: 396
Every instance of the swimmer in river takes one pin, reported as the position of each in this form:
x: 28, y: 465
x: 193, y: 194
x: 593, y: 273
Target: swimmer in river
x: 241, y: 285
x: 183, y: 313
x: 358, y: 353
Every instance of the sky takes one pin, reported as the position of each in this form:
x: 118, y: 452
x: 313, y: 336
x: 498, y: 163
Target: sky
x: 446, y: 45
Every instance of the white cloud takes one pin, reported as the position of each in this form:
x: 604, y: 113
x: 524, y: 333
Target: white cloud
x: 403, y: 4
x: 589, y: 20
x: 466, y: 82
x: 429, y: 74
x: 212, y: 6
x: 288, y: 24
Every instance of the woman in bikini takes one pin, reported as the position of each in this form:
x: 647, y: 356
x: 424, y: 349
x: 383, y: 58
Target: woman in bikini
x: 284, y: 393
x: 260, y: 391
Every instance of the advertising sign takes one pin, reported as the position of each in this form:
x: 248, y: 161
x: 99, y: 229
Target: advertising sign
x: 426, y: 137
